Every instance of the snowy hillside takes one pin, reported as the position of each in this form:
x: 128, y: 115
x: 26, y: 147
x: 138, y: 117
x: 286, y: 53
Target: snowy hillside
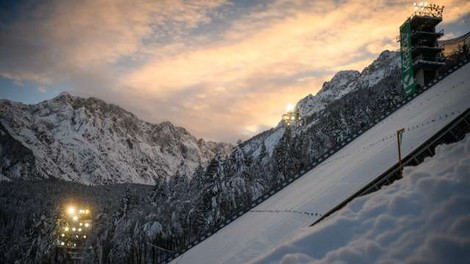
x: 375, y: 76
x: 423, y: 218
x: 342, y: 174
x: 92, y: 142
x: 263, y: 164
x: 345, y: 82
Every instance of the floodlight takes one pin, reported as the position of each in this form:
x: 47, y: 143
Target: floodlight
x: 289, y: 107
x: 71, y: 210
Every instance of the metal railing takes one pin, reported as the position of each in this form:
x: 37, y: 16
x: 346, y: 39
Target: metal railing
x: 451, y: 133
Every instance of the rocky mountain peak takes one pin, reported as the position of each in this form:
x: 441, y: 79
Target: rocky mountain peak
x: 90, y: 141
x: 344, y: 82
x: 339, y: 80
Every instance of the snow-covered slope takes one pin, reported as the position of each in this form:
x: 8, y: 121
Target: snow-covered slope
x: 299, y: 204
x: 342, y: 83
x: 92, y: 142
x: 423, y: 218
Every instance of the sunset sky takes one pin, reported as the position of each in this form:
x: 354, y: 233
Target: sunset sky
x: 225, y: 70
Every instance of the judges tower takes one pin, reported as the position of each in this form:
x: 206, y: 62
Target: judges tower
x: 421, y: 56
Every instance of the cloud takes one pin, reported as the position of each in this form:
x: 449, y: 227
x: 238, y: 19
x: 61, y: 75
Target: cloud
x: 42, y: 89
x: 62, y: 36
x: 218, y: 68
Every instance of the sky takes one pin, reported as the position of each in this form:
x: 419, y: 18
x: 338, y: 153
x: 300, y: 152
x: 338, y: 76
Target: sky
x: 224, y: 70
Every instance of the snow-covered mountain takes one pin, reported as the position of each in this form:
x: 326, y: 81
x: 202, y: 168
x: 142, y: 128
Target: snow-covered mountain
x: 344, y: 82
x: 92, y: 142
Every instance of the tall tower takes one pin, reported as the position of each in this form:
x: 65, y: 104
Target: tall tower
x: 421, y: 57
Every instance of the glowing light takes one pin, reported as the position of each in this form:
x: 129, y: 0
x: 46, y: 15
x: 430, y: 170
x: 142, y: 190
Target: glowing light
x: 84, y: 236
x: 62, y: 235
x: 289, y: 107
x: 62, y: 243
x: 79, y: 230
x: 87, y: 225
x: 71, y: 210
x: 75, y: 218
x: 66, y: 229
x: 74, y: 229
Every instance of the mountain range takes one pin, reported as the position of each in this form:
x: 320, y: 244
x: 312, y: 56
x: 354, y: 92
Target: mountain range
x: 89, y: 141
x: 93, y: 142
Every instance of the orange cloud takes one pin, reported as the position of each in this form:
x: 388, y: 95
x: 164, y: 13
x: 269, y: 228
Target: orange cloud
x: 145, y: 56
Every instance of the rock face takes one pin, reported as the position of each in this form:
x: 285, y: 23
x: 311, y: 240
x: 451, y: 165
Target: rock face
x: 92, y: 142
x: 344, y: 82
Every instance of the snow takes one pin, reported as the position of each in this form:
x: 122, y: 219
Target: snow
x: 344, y: 82
x: 89, y: 141
x: 152, y: 229
x: 273, y: 139
x: 3, y: 178
x: 274, y: 222
x: 424, y: 218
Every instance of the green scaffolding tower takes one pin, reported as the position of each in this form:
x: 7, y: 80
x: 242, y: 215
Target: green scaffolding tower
x: 421, y: 57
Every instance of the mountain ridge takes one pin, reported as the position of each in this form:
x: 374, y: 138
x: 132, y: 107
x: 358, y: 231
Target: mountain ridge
x: 90, y: 141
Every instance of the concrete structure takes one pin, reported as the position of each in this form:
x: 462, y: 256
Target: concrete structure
x: 451, y: 46
x: 421, y: 55
x: 291, y: 117
x: 427, y: 55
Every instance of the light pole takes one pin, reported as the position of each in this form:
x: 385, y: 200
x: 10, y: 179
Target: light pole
x: 399, y: 140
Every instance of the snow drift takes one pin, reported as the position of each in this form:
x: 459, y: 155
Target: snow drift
x: 424, y: 218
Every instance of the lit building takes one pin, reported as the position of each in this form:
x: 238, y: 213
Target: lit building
x: 73, y: 227
x: 291, y: 117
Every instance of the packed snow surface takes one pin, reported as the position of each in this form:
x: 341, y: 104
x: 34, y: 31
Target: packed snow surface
x: 281, y: 217
x: 424, y: 218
